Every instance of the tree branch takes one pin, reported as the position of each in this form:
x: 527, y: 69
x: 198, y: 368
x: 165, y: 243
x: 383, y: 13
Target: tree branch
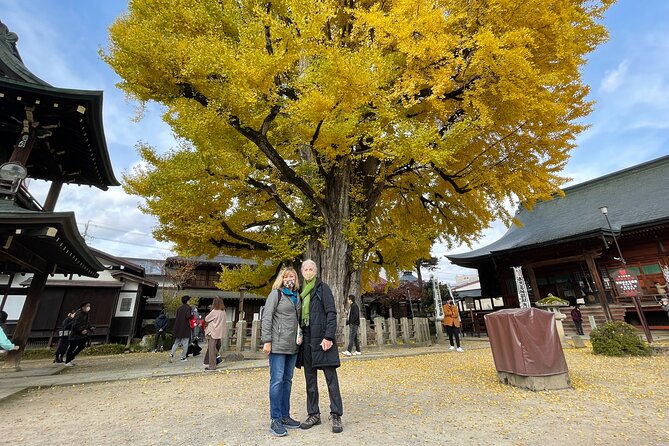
x: 272, y: 193
x: 286, y: 172
x: 451, y: 180
x: 251, y: 244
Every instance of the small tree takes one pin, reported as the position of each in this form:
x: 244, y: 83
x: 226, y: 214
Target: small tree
x: 618, y: 339
x: 178, y: 272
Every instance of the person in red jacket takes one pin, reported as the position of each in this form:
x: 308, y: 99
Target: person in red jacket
x: 577, y: 317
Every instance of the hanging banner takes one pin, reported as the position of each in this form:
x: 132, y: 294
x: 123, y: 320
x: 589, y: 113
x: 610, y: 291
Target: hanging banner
x: 523, y: 295
x: 626, y: 283
x: 438, y: 304
x: 665, y: 273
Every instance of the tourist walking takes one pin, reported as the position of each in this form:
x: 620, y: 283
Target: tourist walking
x: 577, y: 317
x: 160, y: 323
x: 64, y: 337
x: 281, y: 336
x: 5, y: 343
x: 79, y: 333
x: 213, y: 332
x: 452, y: 323
x: 353, y: 322
x: 181, y: 330
x: 319, y: 349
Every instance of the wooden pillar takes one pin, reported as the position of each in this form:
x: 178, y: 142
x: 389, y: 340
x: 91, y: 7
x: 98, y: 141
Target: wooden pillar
x: 533, y: 282
x: 52, y: 196
x: 138, y: 297
x: 28, y: 313
x: 601, y: 292
x: 23, y: 147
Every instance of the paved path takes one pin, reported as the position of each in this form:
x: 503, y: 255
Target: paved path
x: 92, y: 369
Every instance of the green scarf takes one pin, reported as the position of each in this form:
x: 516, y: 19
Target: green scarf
x: 306, y: 298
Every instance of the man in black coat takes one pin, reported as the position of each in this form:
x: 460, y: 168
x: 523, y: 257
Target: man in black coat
x: 353, y: 322
x: 318, y: 349
x: 181, y: 330
x: 79, y: 333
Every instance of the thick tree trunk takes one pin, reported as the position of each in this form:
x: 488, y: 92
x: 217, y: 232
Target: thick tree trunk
x: 334, y: 258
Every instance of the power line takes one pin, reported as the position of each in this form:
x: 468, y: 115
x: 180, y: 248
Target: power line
x: 133, y: 231
x: 130, y: 243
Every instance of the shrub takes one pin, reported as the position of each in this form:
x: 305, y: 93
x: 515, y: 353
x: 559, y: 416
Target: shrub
x: 618, y: 339
x: 169, y: 340
x: 103, y: 349
x: 38, y: 353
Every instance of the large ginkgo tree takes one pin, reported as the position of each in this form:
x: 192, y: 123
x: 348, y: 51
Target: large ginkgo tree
x: 355, y: 133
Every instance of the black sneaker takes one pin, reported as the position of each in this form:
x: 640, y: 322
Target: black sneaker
x: 311, y: 421
x: 290, y: 423
x: 336, y: 423
x: 277, y: 429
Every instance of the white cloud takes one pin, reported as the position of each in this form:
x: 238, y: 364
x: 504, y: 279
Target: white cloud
x: 613, y: 79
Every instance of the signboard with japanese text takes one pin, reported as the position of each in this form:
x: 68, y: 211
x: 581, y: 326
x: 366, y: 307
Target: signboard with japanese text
x: 626, y: 282
x: 438, y: 304
x: 523, y: 295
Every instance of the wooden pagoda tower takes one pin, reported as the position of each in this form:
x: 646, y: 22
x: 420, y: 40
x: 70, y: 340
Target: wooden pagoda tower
x: 50, y: 134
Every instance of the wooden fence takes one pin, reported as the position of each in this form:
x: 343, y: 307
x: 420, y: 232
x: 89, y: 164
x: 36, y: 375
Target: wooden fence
x: 379, y: 332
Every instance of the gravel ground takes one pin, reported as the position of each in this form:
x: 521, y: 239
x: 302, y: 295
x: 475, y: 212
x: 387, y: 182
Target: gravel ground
x: 442, y: 398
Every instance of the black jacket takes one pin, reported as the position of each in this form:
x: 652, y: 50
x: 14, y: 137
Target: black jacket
x: 353, y: 315
x: 79, y: 324
x: 161, y: 321
x: 181, y: 323
x: 323, y: 325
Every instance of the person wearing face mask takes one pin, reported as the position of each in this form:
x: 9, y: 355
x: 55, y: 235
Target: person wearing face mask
x: 281, y: 336
x: 79, y: 333
x: 319, y: 351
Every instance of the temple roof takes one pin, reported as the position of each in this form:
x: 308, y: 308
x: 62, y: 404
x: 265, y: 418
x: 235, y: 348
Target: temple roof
x: 46, y: 242
x: 70, y: 146
x: 635, y: 197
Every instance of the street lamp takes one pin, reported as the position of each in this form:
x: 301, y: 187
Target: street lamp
x: 635, y: 298
x: 605, y: 211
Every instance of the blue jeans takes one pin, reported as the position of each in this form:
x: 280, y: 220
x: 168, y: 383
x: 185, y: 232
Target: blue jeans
x: 281, y: 368
x: 183, y: 342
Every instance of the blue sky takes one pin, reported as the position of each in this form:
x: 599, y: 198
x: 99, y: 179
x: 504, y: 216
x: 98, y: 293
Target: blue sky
x: 59, y: 41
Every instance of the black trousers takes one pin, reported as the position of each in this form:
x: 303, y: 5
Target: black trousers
x: 353, y: 337
x: 75, y: 347
x: 452, y: 330
x: 336, y: 406
x: 159, y: 335
x: 61, y: 349
x: 579, y: 327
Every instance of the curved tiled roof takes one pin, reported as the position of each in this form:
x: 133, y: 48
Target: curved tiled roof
x: 635, y: 197
x: 71, y: 146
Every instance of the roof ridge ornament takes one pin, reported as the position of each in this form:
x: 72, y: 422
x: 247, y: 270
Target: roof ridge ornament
x: 9, y: 39
x: 10, y: 59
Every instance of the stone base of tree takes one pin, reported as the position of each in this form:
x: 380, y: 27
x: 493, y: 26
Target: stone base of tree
x: 551, y: 382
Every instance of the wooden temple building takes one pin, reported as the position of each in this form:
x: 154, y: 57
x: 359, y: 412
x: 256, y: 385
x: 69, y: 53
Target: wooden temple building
x: 51, y: 134
x: 566, y: 247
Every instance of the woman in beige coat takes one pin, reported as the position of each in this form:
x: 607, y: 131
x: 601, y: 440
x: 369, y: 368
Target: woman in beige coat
x: 214, y: 332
